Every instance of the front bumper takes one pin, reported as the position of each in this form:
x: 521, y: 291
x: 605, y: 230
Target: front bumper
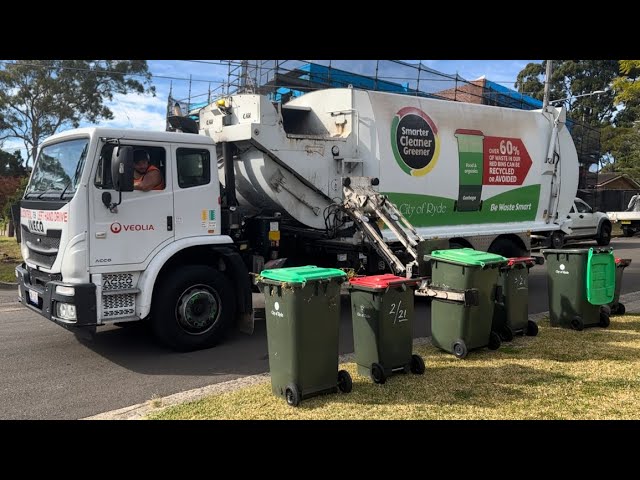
x: 84, y: 299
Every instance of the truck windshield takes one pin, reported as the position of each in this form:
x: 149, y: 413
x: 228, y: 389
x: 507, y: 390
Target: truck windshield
x: 58, y: 169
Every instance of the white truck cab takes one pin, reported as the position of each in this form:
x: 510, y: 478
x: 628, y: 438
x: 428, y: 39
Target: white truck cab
x: 95, y: 256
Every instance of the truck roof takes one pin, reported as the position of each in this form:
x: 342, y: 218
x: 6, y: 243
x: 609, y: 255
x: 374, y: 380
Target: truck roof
x: 149, y: 135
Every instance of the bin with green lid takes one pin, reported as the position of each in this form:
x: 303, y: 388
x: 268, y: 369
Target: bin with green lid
x: 302, y: 306
x: 581, y: 284
x: 511, y: 311
x: 617, y: 307
x: 455, y: 327
x: 382, y: 318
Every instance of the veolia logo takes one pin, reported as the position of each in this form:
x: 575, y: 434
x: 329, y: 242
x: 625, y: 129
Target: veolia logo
x: 414, y: 141
x: 116, y: 227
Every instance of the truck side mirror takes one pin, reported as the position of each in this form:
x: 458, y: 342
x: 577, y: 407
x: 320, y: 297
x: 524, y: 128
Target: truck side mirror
x: 122, y: 169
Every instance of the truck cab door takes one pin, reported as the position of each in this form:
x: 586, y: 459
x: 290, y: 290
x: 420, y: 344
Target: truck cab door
x: 141, y: 224
x: 196, y: 191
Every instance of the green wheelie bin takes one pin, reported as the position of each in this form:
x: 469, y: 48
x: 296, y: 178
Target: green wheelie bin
x: 511, y: 311
x: 302, y: 306
x: 456, y: 328
x: 581, y: 284
x: 382, y: 318
x: 617, y: 307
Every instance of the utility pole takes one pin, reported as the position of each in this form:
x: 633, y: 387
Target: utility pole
x: 547, y: 83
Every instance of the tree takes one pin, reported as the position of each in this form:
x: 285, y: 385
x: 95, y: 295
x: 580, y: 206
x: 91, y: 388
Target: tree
x: 11, y: 164
x: 622, y: 147
x: 38, y: 97
x: 627, y: 91
x: 570, y: 78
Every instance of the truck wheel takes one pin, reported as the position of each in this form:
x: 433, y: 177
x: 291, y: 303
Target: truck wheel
x: 627, y: 232
x: 556, y: 239
x: 604, y: 235
x: 192, y: 308
x: 506, y: 248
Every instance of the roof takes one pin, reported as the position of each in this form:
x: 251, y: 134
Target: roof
x: 124, y: 134
x: 605, y: 178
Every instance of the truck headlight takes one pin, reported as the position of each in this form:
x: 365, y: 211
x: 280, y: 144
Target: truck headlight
x: 62, y: 290
x: 66, y: 311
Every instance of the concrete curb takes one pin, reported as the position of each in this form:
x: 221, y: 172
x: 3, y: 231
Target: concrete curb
x: 141, y: 410
x: 8, y: 286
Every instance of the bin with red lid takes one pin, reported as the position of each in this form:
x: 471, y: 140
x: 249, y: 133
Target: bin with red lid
x: 617, y: 307
x: 511, y: 311
x: 382, y: 318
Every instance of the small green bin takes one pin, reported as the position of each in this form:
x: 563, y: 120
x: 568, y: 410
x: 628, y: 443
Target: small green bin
x: 302, y: 306
x: 382, y: 317
x: 617, y: 307
x: 457, y: 328
x: 511, y: 312
x: 579, y: 282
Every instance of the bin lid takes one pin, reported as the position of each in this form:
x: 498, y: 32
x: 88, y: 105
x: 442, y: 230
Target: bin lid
x: 302, y: 274
x: 519, y: 260
x: 381, y: 282
x: 574, y: 251
x: 468, y: 256
x: 601, y: 277
x: 623, y: 262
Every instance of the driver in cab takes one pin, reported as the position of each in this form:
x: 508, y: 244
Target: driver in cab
x: 145, y: 176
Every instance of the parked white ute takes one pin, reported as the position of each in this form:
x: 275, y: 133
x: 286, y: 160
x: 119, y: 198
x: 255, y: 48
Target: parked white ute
x: 585, y: 224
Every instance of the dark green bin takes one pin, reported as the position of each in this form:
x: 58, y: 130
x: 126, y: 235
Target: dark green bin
x: 511, y: 311
x: 579, y: 282
x: 617, y: 307
x: 382, y: 317
x: 302, y: 306
x: 456, y: 328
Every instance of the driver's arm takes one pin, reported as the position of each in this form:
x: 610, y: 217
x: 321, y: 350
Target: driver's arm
x: 151, y: 180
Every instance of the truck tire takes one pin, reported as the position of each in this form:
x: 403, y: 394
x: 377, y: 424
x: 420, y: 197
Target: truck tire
x: 556, y: 239
x: 192, y: 308
x: 627, y: 232
x: 507, y: 248
x: 604, y: 234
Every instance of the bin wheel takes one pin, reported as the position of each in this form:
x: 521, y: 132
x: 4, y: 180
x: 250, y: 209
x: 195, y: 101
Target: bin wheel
x: 292, y: 395
x: 460, y: 349
x: 377, y: 373
x: 604, y: 320
x: 494, y: 341
x: 620, y: 310
x: 417, y: 364
x: 506, y: 334
x: 345, y: 384
x: 577, y: 324
x: 532, y: 328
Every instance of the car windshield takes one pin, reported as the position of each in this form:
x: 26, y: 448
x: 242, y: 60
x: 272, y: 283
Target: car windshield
x: 58, y: 169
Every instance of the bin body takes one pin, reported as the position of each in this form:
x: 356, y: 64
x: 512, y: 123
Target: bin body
x: 302, y: 306
x: 464, y: 269
x: 382, y: 311
x: 621, y: 264
x: 567, y: 286
x: 512, y: 310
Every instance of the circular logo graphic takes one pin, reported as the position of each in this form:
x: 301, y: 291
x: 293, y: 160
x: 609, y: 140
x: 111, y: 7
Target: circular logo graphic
x: 414, y: 141
x: 116, y: 227
x: 562, y: 267
x: 276, y: 306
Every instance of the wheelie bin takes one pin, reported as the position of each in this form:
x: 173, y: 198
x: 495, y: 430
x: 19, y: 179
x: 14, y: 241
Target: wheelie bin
x: 382, y: 318
x: 511, y: 311
x: 617, y: 307
x: 302, y: 306
x: 581, y: 284
x: 455, y: 327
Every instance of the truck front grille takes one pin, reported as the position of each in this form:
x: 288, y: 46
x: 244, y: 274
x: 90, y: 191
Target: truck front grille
x: 50, y: 241
x: 119, y: 305
x: 117, y: 281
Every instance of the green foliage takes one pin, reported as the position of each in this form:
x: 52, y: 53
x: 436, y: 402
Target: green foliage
x: 37, y: 97
x: 11, y: 164
x: 627, y: 91
x: 570, y: 78
x: 14, y: 197
x: 622, y: 147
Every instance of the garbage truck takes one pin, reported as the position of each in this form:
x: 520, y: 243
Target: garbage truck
x: 338, y: 177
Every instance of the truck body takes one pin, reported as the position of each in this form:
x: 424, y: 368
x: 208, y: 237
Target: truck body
x: 629, y: 219
x: 337, y: 177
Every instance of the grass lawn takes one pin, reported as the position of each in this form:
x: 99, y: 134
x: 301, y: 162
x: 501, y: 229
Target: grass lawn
x: 560, y: 374
x: 9, y: 258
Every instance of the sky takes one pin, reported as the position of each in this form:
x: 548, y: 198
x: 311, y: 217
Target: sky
x: 148, y: 113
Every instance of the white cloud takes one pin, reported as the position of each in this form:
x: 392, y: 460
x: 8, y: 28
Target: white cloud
x: 137, y: 111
